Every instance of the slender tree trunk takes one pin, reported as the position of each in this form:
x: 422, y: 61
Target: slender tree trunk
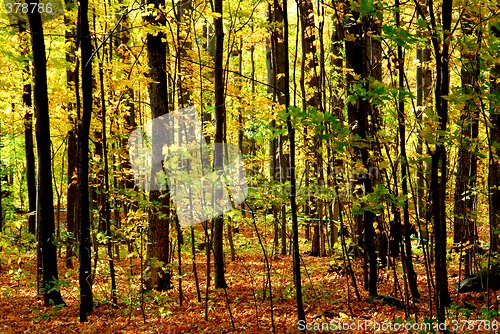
x: 28, y: 142
x: 293, y: 203
x: 109, y: 240
x: 423, y: 100
x: 355, y: 58
x: 129, y: 115
x: 159, y: 214
x: 412, y: 275
x: 337, y: 95
x: 276, y: 82
x: 85, y: 278
x: 195, y: 272
x: 44, y: 205
x: 310, y: 78
x: 72, y: 199
x: 359, y: 112
x: 439, y: 162
x: 220, y: 119
x: 465, y: 230
x: 494, y: 165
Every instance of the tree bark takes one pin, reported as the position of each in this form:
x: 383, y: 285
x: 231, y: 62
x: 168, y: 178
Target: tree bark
x: 28, y: 141
x: 159, y: 213
x: 276, y: 82
x: 220, y: 119
x: 412, y: 275
x: 72, y: 201
x: 439, y: 163
x: 464, y: 229
x: 291, y: 135
x: 85, y: 270
x: 494, y: 165
x: 44, y: 205
x: 359, y: 112
x: 313, y: 99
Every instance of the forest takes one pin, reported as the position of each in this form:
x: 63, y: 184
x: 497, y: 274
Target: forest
x: 229, y: 166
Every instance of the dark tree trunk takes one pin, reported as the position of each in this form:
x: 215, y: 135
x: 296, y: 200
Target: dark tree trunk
x: 220, y: 119
x: 336, y: 163
x: 28, y: 144
x: 359, y: 112
x: 85, y: 278
x: 106, y: 205
x: 184, y: 9
x: 30, y: 159
x: 293, y: 186
x: 159, y: 220
x: 127, y: 111
x: 45, y: 206
x: 354, y: 51
x: 308, y: 65
x: 412, y: 275
x: 494, y: 165
x: 423, y: 100
x: 439, y: 163
x: 73, y: 197
x: 275, y: 67
x: 465, y: 230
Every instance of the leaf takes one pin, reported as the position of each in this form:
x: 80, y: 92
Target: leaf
x: 343, y: 315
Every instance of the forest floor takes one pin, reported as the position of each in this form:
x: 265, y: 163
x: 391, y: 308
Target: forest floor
x: 329, y: 297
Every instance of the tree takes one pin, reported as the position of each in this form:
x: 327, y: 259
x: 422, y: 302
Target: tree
x: 28, y: 141
x: 358, y: 113
x: 85, y: 278
x: 159, y: 214
x: 438, y: 156
x: 312, y: 100
x: 44, y: 204
x: 423, y: 100
x: 72, y: 85
x: 494, y: 157
x: 276, y: 81
x: 464, y: 225
x: 293, y: 183
x: 220, y: 122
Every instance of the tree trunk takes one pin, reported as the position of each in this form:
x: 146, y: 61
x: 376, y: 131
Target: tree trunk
x: 28, y: 142
x: 308, y: 68
x: 359, y: 112
x: 72, y: 192
x: 106, y: 204
x: 275, y: 80
x: 159, y: 214
x: 128, y: 113
x: 464, y: 229
x: 412, y: 275
x: 85, y: 276
x: 44, y: 205
x: 423, y: 100
x: 336, y: 93
x: 220, y: 119
x: 439, y: 163
x: 355, y: 58
x: 494, y: 165
x: 293, y: 191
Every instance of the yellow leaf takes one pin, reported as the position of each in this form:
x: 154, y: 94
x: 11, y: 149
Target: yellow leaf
x: 343, y: 315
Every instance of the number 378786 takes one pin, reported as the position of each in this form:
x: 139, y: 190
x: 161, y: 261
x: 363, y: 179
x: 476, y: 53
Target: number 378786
x: 23, y: 7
